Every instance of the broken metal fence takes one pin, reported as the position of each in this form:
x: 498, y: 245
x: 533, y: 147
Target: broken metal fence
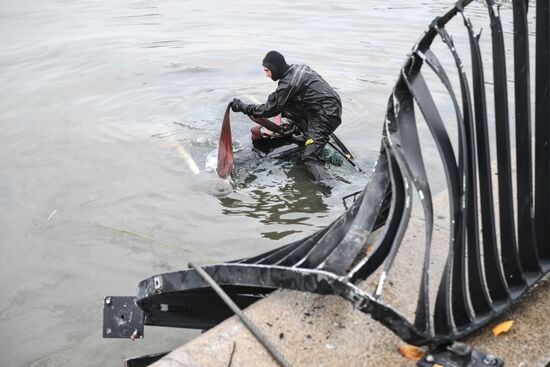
x: 486, y: 270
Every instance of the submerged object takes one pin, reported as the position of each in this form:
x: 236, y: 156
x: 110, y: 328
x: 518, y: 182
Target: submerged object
x: 224, y: 164
x: 225, y: 147
x: 269, y: 135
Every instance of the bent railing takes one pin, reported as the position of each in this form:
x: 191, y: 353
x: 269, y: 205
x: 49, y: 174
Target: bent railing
x: 486, y: 270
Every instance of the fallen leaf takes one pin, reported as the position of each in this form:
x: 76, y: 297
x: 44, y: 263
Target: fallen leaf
x: 411, y: 352
x: 437, y: 365
x: 503, y: 327
x: 368, y: 249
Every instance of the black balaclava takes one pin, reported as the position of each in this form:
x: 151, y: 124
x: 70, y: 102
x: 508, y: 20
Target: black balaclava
x: 275, y: 62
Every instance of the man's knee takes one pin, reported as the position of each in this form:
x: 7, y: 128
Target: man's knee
x: 318, y: 170
x: 313, y: 150
x: 309, y: 149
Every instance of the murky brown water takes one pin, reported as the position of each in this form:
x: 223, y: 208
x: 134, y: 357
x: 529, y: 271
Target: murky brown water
x: 101, y: 104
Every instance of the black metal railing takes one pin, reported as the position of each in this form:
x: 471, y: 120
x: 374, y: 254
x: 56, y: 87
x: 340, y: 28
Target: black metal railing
x: 488, y: 267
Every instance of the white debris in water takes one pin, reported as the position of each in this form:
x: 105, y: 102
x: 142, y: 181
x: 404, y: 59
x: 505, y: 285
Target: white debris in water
x: 222, y: 187
x: 212, y: 157
x: 178, y: 146
x: 211, y: 161
x: 187, y: 157
x: 202, y: 140
x: 51, y: 215
x: 237, y: 146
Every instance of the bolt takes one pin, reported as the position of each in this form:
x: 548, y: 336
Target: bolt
x: 430, y: 358
x: 158, y: 282
x: 490, y: 360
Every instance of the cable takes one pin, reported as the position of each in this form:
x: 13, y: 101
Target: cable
x: 165, y: 244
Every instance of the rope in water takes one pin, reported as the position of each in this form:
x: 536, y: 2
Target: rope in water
x: 248, y: 323
x: 165, y: 244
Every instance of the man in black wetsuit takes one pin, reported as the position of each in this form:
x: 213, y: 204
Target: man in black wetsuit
x: 304, y: 98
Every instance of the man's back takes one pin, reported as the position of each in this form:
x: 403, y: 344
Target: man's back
x: 310, y: 96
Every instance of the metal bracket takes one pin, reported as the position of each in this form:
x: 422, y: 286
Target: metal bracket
x: 352, y: 195
x: 122, y: 318
x: 459, y: 355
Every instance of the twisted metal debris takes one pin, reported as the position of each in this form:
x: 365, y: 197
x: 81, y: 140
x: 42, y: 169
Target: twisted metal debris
x: 486, y: 270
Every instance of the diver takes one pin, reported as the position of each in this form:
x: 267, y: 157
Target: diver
x: 306, y: 100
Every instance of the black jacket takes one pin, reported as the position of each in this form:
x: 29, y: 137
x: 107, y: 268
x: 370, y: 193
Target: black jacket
x: 303, y: 97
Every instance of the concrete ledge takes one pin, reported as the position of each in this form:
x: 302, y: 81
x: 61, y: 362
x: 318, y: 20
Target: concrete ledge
x: 312, y: 330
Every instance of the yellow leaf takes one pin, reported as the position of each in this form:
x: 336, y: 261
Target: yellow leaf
x: 437, y: 365
x: 411, y: 352
x: 368, y: 249
x: 503, y: 327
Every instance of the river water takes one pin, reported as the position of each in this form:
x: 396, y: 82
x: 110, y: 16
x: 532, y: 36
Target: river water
x: 108, y: 113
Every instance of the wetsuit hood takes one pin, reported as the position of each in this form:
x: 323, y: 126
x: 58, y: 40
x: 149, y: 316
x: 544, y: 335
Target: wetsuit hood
x: 276, y: 63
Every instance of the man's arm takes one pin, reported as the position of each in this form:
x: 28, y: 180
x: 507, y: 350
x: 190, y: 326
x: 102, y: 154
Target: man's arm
x: 273, y: 106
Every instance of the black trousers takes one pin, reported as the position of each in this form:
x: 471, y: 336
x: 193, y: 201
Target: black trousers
x: 318, y: 135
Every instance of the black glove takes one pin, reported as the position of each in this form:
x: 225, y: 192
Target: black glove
x: 298, y: 139
x: 237, y: 105
x: 288, y: 128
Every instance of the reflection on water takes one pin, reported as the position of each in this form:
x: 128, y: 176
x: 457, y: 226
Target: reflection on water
x: 276, y: 191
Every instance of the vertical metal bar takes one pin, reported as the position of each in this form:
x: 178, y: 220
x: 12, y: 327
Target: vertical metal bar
x: 508, y: 245
x: 342, y: 257
x: 542, y: 129
x: 494, y: 275
x: 405, y: 216
x: 478, y: 294
x: 402, y: 192
x: 461, y: 310
x: 524, y: 163
x: 382, y: 248
x: 443, y: 309
x: 407, y: 142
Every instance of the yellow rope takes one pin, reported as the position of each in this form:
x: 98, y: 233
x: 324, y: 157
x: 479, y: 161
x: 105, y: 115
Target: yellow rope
x: 165, y: 244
